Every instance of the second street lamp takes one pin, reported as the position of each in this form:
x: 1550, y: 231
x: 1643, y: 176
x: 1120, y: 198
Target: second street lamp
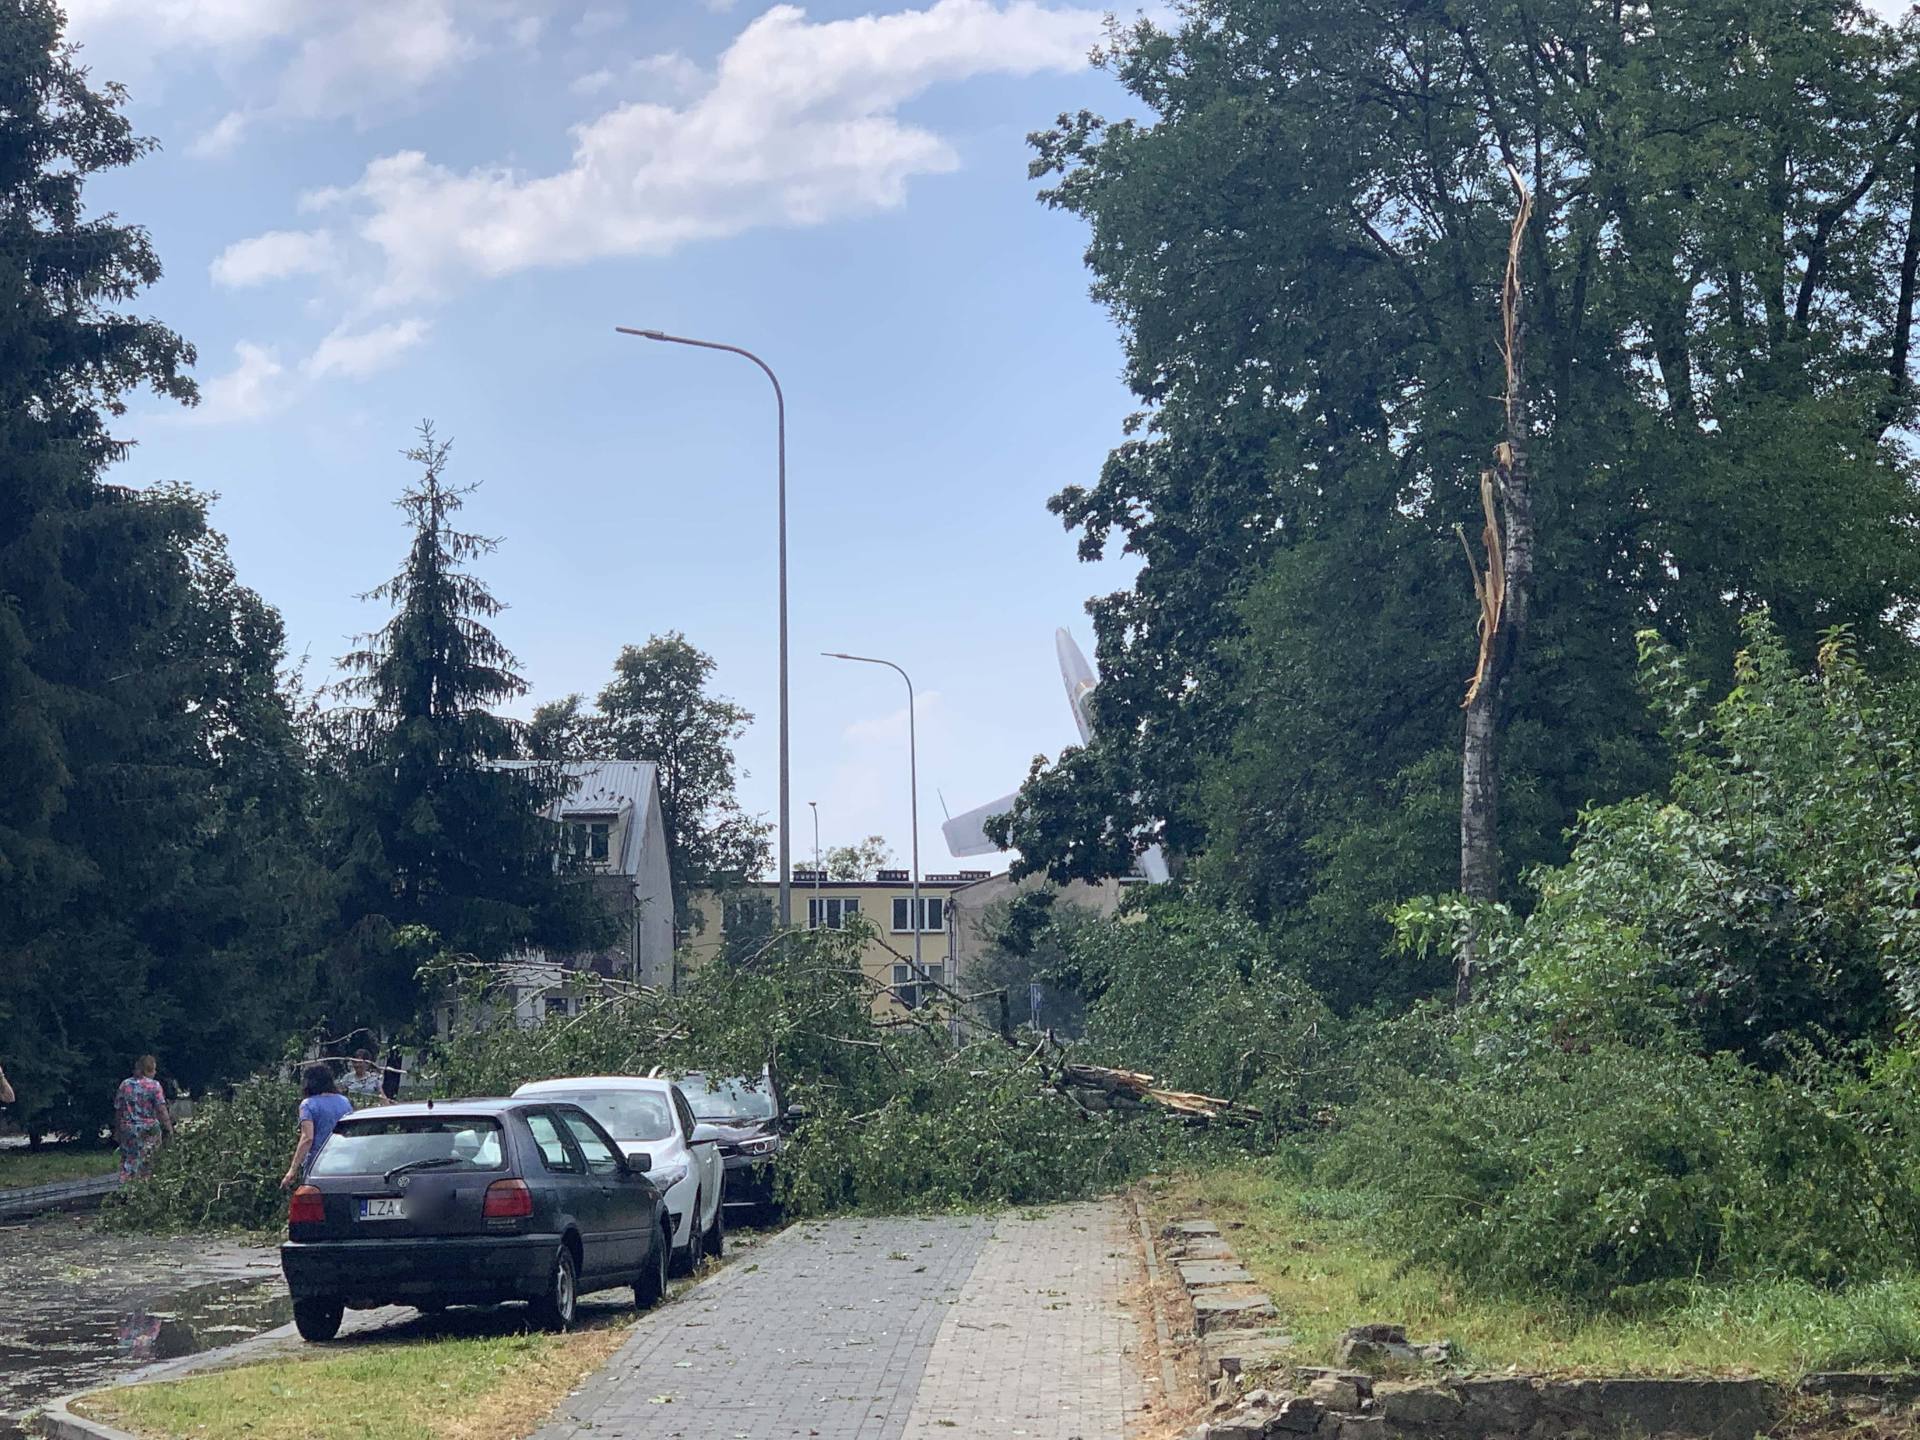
x: 913, y: 799
x: 780, y: 406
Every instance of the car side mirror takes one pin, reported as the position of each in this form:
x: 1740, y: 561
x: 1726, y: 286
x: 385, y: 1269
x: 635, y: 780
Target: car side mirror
x: 796, y: 1112
x: 638, y: 1164
x: 704, y: 1135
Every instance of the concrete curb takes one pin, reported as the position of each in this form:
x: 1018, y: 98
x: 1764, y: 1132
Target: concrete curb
x: 24, y: 1200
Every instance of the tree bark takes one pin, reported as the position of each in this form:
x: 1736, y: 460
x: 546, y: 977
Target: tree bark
x: 1505, y: 596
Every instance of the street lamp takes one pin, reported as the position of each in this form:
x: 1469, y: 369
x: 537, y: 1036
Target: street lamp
x: 818, y: 869
x: 780, y: 407
x: 913, y: 783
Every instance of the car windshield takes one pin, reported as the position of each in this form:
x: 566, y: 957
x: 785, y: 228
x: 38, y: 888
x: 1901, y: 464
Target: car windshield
x: 728, y: 1099
x: 375, y: 1145
x: 625, y: 1114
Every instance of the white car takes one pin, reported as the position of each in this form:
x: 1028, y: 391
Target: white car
x: 652, y: 1117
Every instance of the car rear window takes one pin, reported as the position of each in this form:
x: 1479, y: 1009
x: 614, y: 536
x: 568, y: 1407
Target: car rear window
x: 377, y: 1144
x: 624, y: 1114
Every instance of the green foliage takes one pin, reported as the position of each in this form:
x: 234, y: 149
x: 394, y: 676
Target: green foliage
x: 1301, y: 238
x: 862, y: 861
x: 1028, y: 940
x: 658, y: 707
x: 1688, y: 1061
x: 1623, y: 1174
x: 1201, y: 999
x: 1769, y: 901
x: 427, y: 827
x: 222, y: 1169
x: 896, y: 1118
x: 151, y: 825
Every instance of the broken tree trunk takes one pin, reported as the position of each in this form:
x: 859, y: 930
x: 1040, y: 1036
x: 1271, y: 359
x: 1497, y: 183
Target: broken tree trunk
x: 1137, y: 1086
x: 1503, y: 590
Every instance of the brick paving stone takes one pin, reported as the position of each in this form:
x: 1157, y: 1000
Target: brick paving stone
x: 1039, y: 1343
x: 859, y: 1330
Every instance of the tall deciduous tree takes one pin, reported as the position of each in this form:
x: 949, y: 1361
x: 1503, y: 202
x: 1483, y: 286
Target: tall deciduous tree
x: 862, y: 861
x: 659, y: 707
x: 149, y: 811
x: 1304, y: 244
x: 437, y: 846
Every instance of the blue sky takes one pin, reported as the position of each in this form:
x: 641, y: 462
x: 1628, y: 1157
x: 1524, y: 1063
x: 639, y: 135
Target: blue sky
x: 375, y: 211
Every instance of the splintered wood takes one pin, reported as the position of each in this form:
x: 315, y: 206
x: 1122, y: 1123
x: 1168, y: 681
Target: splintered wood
x: 1137, y: 1086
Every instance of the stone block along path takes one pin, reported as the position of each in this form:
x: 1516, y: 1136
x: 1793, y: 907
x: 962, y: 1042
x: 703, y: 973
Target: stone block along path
x: 955, y: 1328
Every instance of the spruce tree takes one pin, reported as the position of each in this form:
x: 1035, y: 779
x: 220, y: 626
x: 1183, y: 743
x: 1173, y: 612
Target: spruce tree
x: 439, y: 848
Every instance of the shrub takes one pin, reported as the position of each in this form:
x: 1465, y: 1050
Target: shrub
x: 1612, y: 1174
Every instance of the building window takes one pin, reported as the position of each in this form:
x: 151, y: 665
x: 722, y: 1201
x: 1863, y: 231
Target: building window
x: 557, y: 1005
x: 909, y: 991
x: 831, y: 913
x: 589, y: 841
x: 933, y: 913
x: 753, y: 913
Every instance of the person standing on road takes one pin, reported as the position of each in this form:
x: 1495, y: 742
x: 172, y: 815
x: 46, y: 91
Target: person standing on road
x: 320, y: 1111
x: 141, y: 1121
x: 363, y: 1081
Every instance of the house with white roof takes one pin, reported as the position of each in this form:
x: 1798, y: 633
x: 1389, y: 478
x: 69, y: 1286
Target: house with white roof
x: 611, y: 825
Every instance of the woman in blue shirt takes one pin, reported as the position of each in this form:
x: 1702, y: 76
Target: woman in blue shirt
x: 320, y: 1111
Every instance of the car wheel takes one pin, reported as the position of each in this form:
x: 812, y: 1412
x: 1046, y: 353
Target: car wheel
x: 715, y: 1241
x: 318, y: 1320
x: 554, y: 1310
x: 686, y: 1256
x: 651, y: 1287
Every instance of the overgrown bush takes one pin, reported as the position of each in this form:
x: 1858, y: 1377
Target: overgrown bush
x: 1771, y: 900
x: 1616, y: 1173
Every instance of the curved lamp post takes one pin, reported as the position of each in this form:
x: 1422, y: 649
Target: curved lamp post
x: 913, y: 783
x: 780, y: 406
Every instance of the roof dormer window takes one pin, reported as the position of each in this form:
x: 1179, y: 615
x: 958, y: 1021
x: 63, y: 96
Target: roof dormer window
x: 590, y: 840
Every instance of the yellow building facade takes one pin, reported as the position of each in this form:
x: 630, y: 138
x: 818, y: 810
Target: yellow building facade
x: 885, y: 903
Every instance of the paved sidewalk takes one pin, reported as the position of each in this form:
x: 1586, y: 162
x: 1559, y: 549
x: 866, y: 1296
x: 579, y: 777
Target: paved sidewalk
x: 958, y: 1328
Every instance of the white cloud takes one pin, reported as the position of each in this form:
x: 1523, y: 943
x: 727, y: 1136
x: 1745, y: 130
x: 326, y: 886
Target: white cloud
x: 304, y: 59
x: 273, y: 256
x: 223, y: 138
x: 598, y: 21
x: 672, y: 73
x: 190, y: 24
x: 359, y: 354
x: 798, y: 125
x: 246, y: 392
x: 667, y: 76
x: 382, y: 50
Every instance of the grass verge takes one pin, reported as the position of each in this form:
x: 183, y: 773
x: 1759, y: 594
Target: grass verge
x: 1310, y: 1249
x: 492, y: 1387
x: 21, y: 1167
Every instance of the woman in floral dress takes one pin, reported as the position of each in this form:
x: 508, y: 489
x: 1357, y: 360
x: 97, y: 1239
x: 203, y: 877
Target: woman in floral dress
x: 140, y: 1119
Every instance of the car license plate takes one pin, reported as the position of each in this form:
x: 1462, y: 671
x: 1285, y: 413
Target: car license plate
x: 383, y: 1208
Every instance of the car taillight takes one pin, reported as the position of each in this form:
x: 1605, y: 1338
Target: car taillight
x: 307, y: 1207
x: 508, y: 1200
